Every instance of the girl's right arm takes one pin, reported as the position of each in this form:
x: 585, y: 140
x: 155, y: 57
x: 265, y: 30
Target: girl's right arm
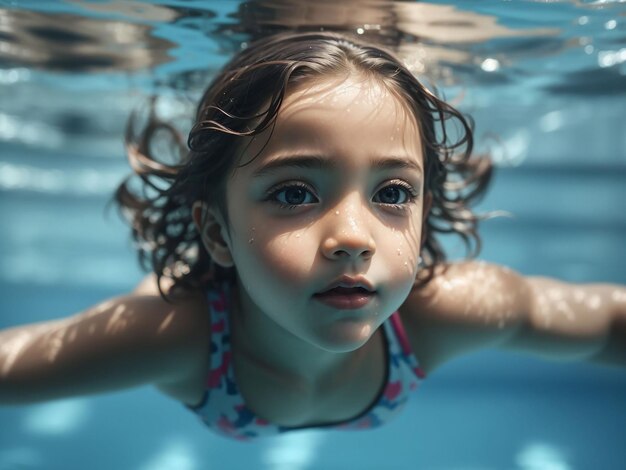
x: 121, y: 343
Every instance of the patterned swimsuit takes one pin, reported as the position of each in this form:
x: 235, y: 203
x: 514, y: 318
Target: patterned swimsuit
x: 224, y: 410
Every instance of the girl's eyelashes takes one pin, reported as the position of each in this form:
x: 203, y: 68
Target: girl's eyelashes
x: 397, y: 194
x: 291, y: 195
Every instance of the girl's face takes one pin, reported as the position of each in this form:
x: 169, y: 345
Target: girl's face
x: 337, y: 190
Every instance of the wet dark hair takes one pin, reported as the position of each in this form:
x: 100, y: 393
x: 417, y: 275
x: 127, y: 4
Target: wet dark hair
x: 243, y: 100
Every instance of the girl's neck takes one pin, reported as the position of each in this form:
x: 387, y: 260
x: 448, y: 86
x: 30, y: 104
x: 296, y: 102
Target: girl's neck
x: 266, y: 344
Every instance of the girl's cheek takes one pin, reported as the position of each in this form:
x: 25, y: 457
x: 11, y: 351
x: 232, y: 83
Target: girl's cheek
x: 286, y: 256
x: 404, y: 252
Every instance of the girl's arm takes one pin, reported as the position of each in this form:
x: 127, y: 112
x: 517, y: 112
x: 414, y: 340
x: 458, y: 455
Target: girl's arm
x: 475, y: 305
x: 124, y: 342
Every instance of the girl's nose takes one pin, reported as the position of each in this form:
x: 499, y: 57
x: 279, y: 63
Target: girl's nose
x: 348, y: 237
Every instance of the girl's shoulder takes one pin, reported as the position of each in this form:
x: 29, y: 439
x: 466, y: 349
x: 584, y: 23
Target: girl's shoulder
x: 466, y: 306
x: 471, y: 278
x: 187, y: 323
x: 183, y: 310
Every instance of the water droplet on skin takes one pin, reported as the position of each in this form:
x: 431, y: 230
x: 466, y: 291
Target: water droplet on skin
x: 297, y: 235
x: 336, y: 212
x: 399, y: 252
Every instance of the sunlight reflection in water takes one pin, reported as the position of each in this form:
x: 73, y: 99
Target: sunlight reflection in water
x: 294, y: 451
x: 542, y: 456
x: 60, y: 417
x: 176, y: 454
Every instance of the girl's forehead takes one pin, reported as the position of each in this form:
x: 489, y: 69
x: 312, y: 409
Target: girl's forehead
x: 347, y: 86
x: 338, y: 93
x: 349, y: 112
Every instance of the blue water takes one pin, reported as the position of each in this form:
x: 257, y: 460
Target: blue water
x: 550, y: 84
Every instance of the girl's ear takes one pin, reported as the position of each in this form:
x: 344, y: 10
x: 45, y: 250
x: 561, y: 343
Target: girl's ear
x: 213, y: 233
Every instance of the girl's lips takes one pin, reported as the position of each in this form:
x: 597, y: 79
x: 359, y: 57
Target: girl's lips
x: 345, y: 298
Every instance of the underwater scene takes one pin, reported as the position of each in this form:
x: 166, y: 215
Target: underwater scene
x: 545, y: 82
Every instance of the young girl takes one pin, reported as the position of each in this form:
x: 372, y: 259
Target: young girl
x: 297, y: 278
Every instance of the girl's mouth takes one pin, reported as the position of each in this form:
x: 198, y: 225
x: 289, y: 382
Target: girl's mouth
x: 345, y: 298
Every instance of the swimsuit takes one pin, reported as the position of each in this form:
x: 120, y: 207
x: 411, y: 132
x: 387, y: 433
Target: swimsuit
x: 223, y: 408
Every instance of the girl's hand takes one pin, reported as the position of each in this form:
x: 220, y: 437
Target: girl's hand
x: 473, y: 305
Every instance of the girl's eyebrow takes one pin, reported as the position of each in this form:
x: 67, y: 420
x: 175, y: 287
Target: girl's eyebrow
x: 316, y: 162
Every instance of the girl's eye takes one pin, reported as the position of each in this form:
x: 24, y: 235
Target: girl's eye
x: 292, y: 195
x: 395, y: 194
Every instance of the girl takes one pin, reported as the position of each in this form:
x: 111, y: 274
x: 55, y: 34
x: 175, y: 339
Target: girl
x: 297, y: 278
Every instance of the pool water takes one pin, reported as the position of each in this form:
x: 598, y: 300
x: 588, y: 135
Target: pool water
x: 546, y: 83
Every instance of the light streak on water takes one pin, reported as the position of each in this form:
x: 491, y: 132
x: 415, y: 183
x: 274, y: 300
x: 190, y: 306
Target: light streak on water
x: 177, y: 454
x: 58, y: 417
x: 542, y: 456
x: 293, y: 451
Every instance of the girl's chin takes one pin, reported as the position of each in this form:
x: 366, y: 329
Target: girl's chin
x: 346, y: 335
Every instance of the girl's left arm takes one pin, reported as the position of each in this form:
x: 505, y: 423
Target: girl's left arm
x: 473, y: 305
